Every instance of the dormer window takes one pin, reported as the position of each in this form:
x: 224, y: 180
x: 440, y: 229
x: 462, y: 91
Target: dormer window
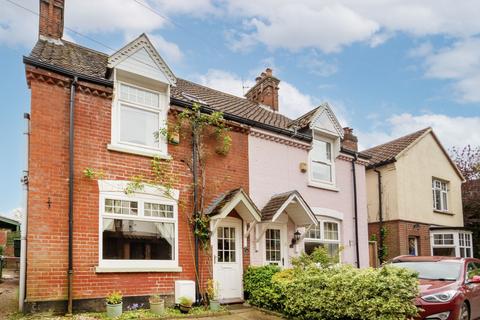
x: 140, y: 116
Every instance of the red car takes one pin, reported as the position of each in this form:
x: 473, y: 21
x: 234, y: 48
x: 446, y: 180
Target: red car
x: 449, y: 286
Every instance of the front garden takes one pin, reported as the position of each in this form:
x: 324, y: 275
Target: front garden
x: 317, y: 288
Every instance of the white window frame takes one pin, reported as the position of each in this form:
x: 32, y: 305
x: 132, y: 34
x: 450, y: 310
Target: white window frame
x: 137, y: 265
x: 162, y: 111
x: 275, y: 262
x: 457, y: 243
x: 325, y: 184
x: 322, y: 239
x: 443, y: 190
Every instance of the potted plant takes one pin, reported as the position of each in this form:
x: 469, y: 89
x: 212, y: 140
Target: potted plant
x: 114, y: 304
x: 212, y: 292
x: 185, y: 304
x: 157, y: 304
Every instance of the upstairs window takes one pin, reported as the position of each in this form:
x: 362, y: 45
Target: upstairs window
x: 322, y: 160
x: 440, y: 195
x: 139, y: 114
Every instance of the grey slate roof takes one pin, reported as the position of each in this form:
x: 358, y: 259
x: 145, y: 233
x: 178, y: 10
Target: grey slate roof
x: 92, y: 63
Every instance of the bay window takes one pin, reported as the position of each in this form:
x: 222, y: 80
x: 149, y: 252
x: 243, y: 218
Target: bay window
x: 327, y: 235
x: 139, y: 230
x: 452, y: 243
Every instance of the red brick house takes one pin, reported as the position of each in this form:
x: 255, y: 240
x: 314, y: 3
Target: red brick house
x: 94, y: 114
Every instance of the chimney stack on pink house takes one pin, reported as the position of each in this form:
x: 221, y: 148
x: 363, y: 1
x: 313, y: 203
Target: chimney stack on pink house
x: 51, y: 19
x: 265, y: 90
x: 350, y: 141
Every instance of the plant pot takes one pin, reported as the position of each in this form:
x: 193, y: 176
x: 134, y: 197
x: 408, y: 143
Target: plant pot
x: 157, y: 307
x: 114, y: 310
x: 184, y: 309
x: 214, y: 305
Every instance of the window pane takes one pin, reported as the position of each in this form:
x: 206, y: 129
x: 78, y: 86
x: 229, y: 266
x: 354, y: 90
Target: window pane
x: 138, y: 240
x: 121, y: 207
x: 448, y: 238
x: 331, y: 230
x: 137, y: 95
x: 158, y: 210
x: 448, y: 252
x: 321, y: 171
x: 444, y: 201
x: 226, y: 248
x: 138, y: 126
x: 272, y: 245
x: 438, y: 204
x: 322, y: 151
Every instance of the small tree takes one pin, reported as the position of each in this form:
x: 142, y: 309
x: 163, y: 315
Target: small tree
x: 468, y: 162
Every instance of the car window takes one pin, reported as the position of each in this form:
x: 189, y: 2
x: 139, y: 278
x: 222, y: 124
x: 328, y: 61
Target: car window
x: 472, y: 270
x: 433, y: 270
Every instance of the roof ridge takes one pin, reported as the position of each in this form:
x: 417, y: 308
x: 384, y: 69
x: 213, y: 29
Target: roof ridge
x: 397, y: 139
x: 237, y: 97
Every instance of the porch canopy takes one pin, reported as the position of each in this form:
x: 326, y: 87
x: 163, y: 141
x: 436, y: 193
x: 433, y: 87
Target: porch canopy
x: 291, y: 203
x: 237, y: 200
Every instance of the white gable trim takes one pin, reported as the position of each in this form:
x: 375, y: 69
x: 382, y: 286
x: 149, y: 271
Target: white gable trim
x: 240, y: 197
x: 142, y: 42
x: 302, y: 203
x: 325, y: 109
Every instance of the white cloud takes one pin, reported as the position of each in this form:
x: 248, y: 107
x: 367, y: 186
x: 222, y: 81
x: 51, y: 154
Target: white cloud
x: 20, y: 27
x: 459, y: 63
x: 452, y: 131
x: 292, y: 101
x: 17, y: 26
x: 168, y: 50
x: 331, y: 25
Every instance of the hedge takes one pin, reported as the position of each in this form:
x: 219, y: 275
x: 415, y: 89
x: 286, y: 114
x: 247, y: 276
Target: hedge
x: 313, y: 291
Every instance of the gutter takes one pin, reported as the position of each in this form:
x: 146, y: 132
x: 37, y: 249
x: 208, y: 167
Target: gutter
x: 73, y: 87
x: 354, y: 176
x: 253, y: 123
x: 380, y: 211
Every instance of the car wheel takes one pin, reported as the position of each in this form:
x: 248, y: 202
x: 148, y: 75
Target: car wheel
x: 464, y: 312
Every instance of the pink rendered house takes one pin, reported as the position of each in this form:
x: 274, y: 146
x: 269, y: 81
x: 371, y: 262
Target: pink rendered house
x: 309, y: 185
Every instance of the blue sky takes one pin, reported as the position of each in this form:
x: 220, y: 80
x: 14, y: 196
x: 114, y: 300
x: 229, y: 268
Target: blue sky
x: 386, y: 67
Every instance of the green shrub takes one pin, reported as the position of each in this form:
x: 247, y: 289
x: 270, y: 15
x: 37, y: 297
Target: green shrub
x: 259, y: 289
x: 344, y: 292
x: 319, y: 257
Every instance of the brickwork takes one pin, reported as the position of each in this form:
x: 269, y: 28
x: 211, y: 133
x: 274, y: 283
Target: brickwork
x: 48, y: 180
x: 398, y: 232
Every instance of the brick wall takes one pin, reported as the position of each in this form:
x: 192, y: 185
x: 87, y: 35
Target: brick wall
x: 48, y: 163
x: 398, y: 232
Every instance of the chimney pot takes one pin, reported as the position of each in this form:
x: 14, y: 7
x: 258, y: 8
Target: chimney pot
x: 265, y: 90
x: 51, y: 18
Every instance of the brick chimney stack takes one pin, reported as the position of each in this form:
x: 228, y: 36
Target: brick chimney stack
x: 265, y: 90
x: 350, y: 141
x: 51, y: 19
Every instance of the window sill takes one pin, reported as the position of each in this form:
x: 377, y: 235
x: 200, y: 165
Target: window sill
x: 144, y: 152
x: 444, y: 212
x: 136, y: 269
x: 325, y: 186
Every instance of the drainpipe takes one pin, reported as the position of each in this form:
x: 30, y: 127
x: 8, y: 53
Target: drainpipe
x: 23, y: 229
x: 380, y: 211
x: 195, y: 206
x: 354, y: 176
x: 73, y: 87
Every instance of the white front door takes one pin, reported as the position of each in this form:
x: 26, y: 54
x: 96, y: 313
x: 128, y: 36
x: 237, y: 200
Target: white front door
x: 276, y: 246
x: 228, y: 259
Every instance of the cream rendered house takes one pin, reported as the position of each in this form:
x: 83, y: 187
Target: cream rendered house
x: 414, y: 195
